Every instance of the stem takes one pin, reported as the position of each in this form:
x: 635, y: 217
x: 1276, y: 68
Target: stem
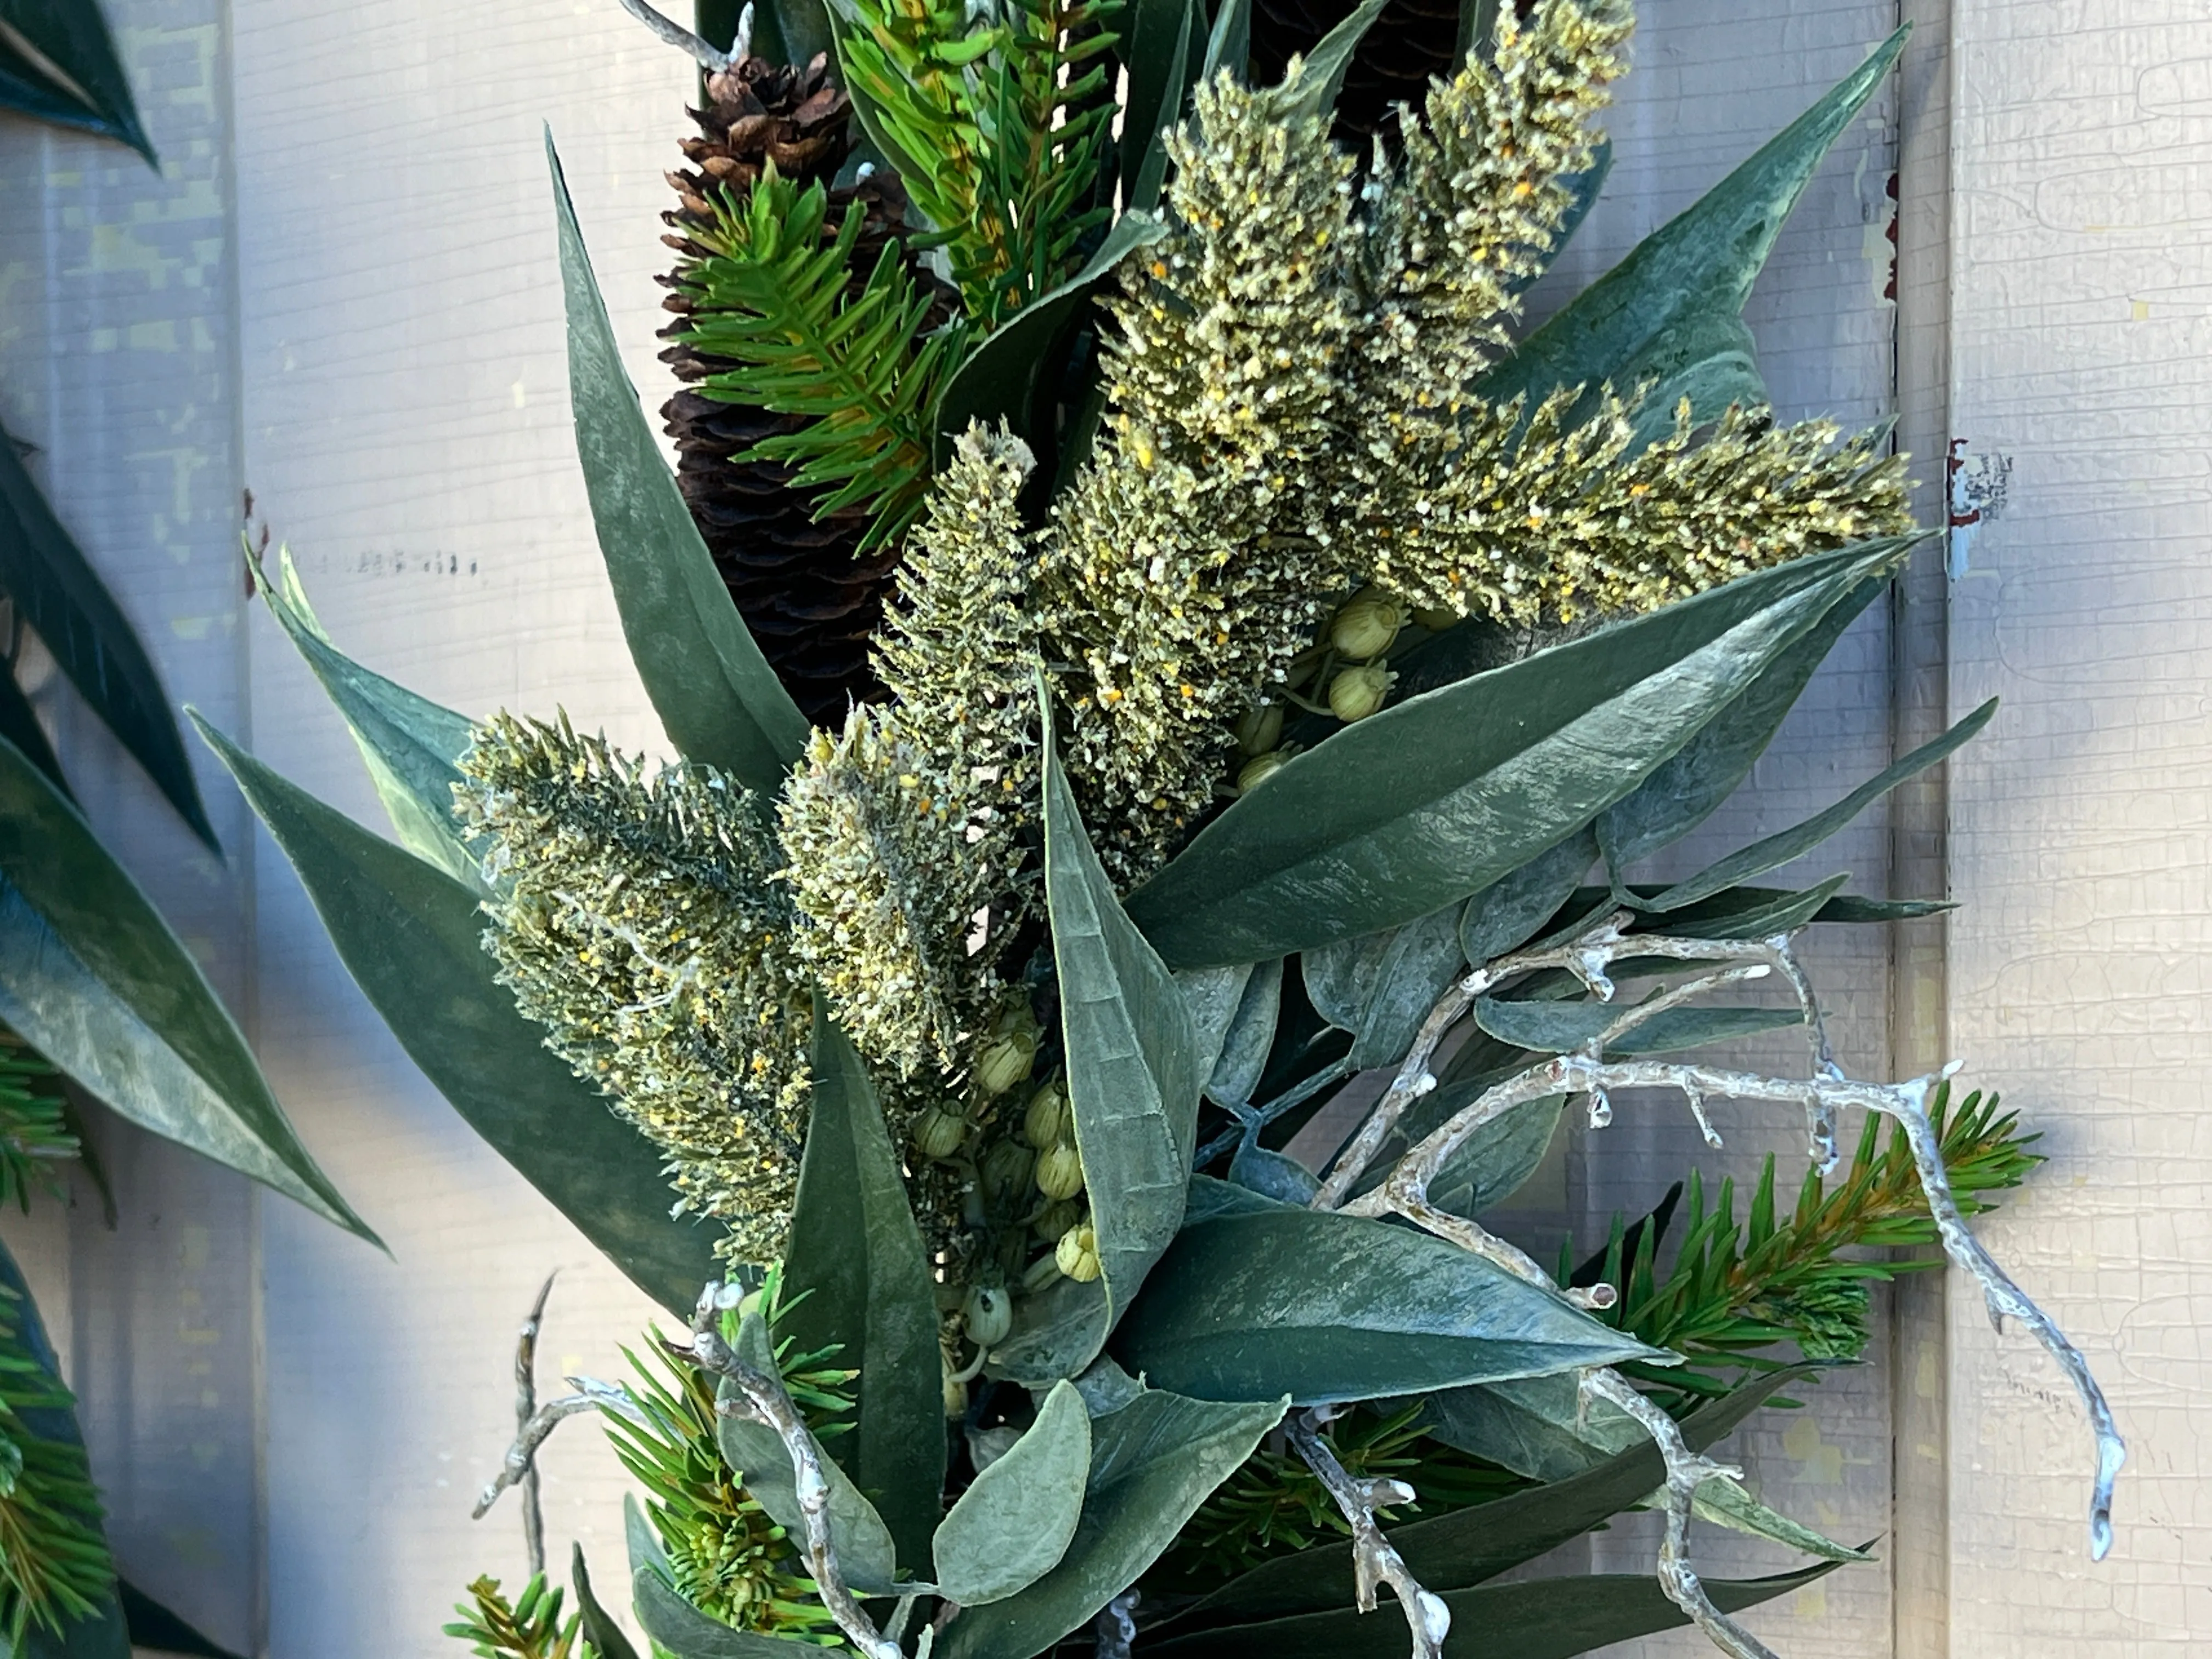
x: 1686, y: 1472
x: 1375, y: 1559
x: 709, y: 57
x: 526, y: 1407
x: 769, y: 1403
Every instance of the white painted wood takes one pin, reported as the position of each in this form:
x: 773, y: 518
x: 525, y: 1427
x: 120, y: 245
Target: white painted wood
x: 341, y: 291
x: 403, y: 396
x: 2081, y: 356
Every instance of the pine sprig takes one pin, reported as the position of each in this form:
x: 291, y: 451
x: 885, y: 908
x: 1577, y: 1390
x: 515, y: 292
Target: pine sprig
x: 532, y: 1628
x: 729, y: 1558
x: 998, y: 126
x: 1045, y: 139
x: 777, y: 293
x: 35, y: 1137
x: 1737, y: 1289
x: 54, y: 1564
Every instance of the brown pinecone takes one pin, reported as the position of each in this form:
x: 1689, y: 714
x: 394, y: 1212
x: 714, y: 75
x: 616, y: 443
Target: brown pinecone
x: 811, y: 603
x: 1411, y: 43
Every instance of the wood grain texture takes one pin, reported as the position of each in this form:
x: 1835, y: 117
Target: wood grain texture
x: 117, y: 359
x: 2082, y: 270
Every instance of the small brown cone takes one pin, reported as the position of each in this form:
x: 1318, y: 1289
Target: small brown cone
x: 809, y: 602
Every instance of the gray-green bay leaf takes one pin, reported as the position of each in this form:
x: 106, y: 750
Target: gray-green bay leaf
x: 1669, y: 311
x: 1539, y: 1619
x: 411, y: 937
x: 1133, y: 1071
x: 93, y: 978
x: 1436, y: 798
x: 1152, y: 1463
x: 717, y: 698
x: 1326, y: 1307
x: 857, y: 1277
x: 411, y: 746
x: 1015, y: 1521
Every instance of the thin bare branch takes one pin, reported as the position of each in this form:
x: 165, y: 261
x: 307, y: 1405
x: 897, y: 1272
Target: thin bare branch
x: 526, y: 1407
x: 1375, y: 1558
x: 710, y: 57
x: 516, y: 1465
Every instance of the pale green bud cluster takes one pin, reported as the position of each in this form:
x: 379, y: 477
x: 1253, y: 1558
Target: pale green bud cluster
x: 636, y: 920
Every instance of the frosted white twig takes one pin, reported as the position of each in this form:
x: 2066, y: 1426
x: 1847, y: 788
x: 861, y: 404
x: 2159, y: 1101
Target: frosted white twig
x: 766, y: 1400
x: 1375, y: 1558
x: 1589, y: 956
x: 1824, y: 1094
x: 1686, y: 1472
x: 709, y: 56
x: 1117, y: 1627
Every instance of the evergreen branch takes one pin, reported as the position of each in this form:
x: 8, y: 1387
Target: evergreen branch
x: 728, y: 1558
x: 773, y: 291
x: 34, y: 1133
x: 1736, y: 1288
x: 999, y: 130
x: 54, y: 1564
x: 532, y: 1628
x: 1045, y: 146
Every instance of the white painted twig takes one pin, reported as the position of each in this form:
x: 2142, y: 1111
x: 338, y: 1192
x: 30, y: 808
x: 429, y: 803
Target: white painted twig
x: 766, y: 1402
x: 526, y: 1407
x: 1686, y: 1472
x: 1375, y: 1558
x: 515, y: 1468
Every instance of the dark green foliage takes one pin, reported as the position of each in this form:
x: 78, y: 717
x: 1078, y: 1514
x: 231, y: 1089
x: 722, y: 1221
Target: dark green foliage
x: 54, y: 1565
x: 1739, y: 1289
x: 727, y: 1556
x: 35, y: 1137
x: 1274, y: 1505
x: 778, y: 297
x: 53, y: 585
x: 999, y: 130
x: 529, y: 1628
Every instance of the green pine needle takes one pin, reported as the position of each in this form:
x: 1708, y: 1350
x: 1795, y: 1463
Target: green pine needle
x: 1738, y: 1288
x: 776, y: 292
x: 54, y: 1564
x: 998, y: 123
x: 35, y: 1138
x: 529, y: 1629
x: 727, y: 1557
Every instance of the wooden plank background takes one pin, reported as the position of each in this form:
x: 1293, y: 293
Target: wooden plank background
x: 340, y: 290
